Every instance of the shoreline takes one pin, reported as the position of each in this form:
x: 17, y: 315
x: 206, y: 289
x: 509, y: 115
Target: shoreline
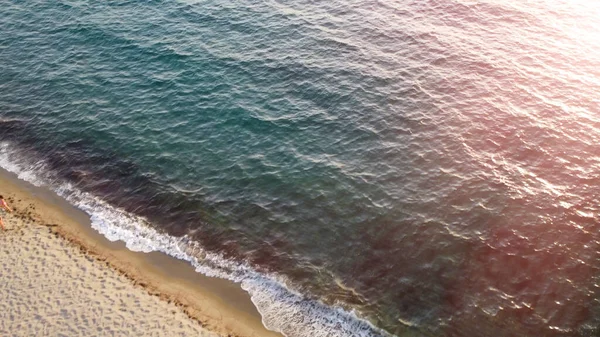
x: 219, y: 305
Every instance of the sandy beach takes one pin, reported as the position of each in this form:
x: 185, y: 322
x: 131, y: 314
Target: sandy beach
x: 50, y: 288
x: 60, y: 278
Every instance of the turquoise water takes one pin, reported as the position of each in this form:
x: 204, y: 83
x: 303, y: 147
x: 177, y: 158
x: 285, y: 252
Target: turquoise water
x: 428, y: 167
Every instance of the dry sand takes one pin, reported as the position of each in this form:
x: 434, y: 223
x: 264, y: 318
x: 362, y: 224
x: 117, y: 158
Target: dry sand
x: 50, y: 288
x: 59, y: 277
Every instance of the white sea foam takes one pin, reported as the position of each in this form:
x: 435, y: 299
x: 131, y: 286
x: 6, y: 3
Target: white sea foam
x: 10, y: 161
x: 282, y: 309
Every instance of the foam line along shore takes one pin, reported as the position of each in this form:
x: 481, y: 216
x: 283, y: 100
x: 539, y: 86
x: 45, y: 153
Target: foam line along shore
x: 280, y: 309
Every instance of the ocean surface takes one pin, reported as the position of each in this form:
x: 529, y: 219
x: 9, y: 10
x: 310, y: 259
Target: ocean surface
x: 362, y: 168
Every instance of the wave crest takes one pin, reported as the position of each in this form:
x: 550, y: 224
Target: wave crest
x: 282, y: 309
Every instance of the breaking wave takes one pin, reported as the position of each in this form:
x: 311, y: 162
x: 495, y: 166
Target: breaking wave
x: 282, y: 309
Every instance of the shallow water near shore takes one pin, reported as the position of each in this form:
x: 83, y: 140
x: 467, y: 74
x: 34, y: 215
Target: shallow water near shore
x: 362, y: 168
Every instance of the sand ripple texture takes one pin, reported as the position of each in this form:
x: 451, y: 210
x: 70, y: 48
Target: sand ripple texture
x: 50, y: 288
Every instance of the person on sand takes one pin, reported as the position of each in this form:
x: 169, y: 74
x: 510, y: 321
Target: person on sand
x: 4, y: 205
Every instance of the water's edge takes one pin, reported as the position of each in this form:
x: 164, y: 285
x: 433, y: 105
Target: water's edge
x: 282, y: 309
